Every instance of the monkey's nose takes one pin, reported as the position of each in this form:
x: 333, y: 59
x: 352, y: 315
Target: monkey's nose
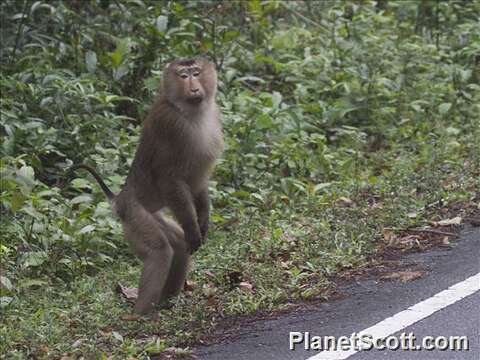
x: 194, y: 91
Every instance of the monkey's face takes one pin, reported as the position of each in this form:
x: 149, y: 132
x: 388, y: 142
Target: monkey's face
x: 190, y: 81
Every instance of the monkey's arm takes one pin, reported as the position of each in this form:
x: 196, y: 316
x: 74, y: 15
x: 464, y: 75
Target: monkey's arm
x: 181, y: 202
x: 202, y: 207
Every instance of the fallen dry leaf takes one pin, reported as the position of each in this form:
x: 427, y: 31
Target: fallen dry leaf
x: 212, y: 301
x: 209, y: 273
x: 409, y: 240
x: 189, y: 285
x: 246, y: 286
x: 209, y: 289
x: 403, y: 276
x: 378, y: 205
x: 77, y: 343
x: 448, y: 222
x: 130, y: 317
x: 129, y: 293
x: 388, y: 235
x: 343, y: 202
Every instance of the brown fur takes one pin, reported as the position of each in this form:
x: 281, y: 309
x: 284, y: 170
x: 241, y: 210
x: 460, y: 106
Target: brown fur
x: 179, y: 143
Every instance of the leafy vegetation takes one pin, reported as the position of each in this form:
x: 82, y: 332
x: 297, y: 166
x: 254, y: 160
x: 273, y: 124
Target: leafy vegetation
x: 341, y: 118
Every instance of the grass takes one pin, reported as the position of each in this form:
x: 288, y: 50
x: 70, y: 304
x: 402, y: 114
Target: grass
x: 286, y: 253
x: 335, y: 132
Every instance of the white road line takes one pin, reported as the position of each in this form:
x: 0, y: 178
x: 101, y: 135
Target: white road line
x: 411, y: 315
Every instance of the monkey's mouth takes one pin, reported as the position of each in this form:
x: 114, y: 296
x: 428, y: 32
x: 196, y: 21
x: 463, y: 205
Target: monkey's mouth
x: 195, y: 100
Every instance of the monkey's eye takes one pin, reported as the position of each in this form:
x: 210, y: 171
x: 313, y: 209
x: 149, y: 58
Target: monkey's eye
x: 196, y: 73
x: 183, y: 76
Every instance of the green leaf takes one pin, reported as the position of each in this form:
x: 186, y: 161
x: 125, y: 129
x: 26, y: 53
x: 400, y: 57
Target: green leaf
x: 5, y: 282
x: 5, y: 300
x: 230, y: 35
x: 26, y: 179
x: 87, y: 229
x: 80, y: 183
x: 264, y: 121
x: 416, y: 107
x: 117, y: 336
x: 161, y: 23
x: 121, y: 52
x: 18, y: 199
x: 26, y: 172
x: 81, y: 199
x: 257, y: 196
x: 276, y: 99
x: 321, y: 186
x: 116, y: 58
x: 46, y: 193
x: 34, y: 258
x: 277, y: 232
x: 28, y: 283
x: 120, y: 72
x: 91, y: 61
x: 444, y: 107
x: 452, y: 131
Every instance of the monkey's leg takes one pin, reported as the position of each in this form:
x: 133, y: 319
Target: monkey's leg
x: 181, y: 257
x: 180, y: 201
x: 152, y: 281
x: 178, y: 272
x: 150, y: 243
x: 202, y: 207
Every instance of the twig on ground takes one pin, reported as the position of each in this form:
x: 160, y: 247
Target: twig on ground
x: 431, y: 231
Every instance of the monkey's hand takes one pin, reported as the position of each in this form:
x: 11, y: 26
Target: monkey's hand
x: 181, y: 202
x: 194, y: 240
x: 203, y: 224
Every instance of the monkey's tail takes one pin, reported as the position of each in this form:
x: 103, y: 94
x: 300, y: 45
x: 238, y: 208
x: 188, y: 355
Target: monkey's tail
x: 110, y: 195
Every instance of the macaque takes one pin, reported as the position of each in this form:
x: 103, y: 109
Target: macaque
x: 180, y: 140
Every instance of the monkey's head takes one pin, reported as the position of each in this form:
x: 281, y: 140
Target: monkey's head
x: 190, y: 82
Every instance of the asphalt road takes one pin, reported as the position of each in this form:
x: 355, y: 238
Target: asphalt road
x: 369, y: 302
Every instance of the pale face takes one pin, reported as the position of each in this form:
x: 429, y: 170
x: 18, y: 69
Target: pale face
x: 189, y: 78
x: 190, y: 82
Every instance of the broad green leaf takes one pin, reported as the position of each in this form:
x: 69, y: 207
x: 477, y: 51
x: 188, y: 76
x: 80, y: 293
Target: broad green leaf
x: 91, y: 61
x: 5, y: 282
x: 18, y: 199
x: 230, y: 35
x: 45, y: 193
x: 452, y: 130
x: 264, y: 121
x: 161, y: 23
x: 32, y: 283
x: 87, y: 229
x: 276, y: 99
x: 320, y: 187
x: 116, y: 58
x: 416, y: 107
x: 5, y: 300
x: 117, y: 336
x: 444, y: 107
x: 26, y: 172
x: 34, y: 258
x: 120, y: 72
x: 81, y: 199
x: 257, y: 196
x: 80, y: 183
